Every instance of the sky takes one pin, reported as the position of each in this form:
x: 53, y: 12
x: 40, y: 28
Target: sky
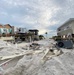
x: 44, y: 15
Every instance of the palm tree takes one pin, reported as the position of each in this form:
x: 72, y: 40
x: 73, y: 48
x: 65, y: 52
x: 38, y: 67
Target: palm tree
x: 46, y: 34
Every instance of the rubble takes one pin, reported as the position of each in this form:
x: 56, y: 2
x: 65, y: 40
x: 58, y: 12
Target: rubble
x: 33, y: 65
x: 43, y: 58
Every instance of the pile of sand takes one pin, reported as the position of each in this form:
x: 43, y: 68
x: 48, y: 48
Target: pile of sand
x: 34, y: 65
x: 44, y: 62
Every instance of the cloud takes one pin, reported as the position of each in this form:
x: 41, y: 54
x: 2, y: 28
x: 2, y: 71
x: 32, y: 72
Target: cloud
x: 45, y: 15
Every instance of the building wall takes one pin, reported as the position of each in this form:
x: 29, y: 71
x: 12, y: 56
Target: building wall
x: 5, y: 29
x: 22, y: 30
x: 1, y: 30
x: 15, y: 29
x: 65, y: 32
x: 72, y: 26
x: 66, y: 29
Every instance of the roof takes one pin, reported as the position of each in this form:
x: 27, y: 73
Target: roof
x: 68, y: 21
x: 32, y: 30
x: 1, y: 26
x: 7, y: 26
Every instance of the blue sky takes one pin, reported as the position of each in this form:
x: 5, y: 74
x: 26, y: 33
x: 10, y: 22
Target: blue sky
x: 44, y: 15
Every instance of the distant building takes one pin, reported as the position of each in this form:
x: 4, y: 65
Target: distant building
x: 22, y: 30
x: 14, y: 29
x: 8, y: 29
x: 66, y: 29
x: 35, y: 35
x: 22, y: 33
x: 5, y: 29
x: 19, y: 30
x: 1, y: 29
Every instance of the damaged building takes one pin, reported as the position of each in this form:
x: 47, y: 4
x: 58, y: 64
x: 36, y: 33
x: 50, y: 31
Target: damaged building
x: 66, y: 30
x: 35, y: 34
x: 6, y: 31
x: 27, y: 35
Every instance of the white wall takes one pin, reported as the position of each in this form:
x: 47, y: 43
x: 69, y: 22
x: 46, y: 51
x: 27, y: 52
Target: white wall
x: 72, y: 26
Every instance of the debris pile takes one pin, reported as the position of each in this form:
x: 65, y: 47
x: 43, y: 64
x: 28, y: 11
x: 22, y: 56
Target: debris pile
x: 9, y: 50
x: 43, y: 58
x: 34, y: 46
x: 36, y: 65
x: 31, y: 63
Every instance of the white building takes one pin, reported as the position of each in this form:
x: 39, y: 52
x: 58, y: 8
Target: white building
x: 66, y: 29
x: 22, y: 30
